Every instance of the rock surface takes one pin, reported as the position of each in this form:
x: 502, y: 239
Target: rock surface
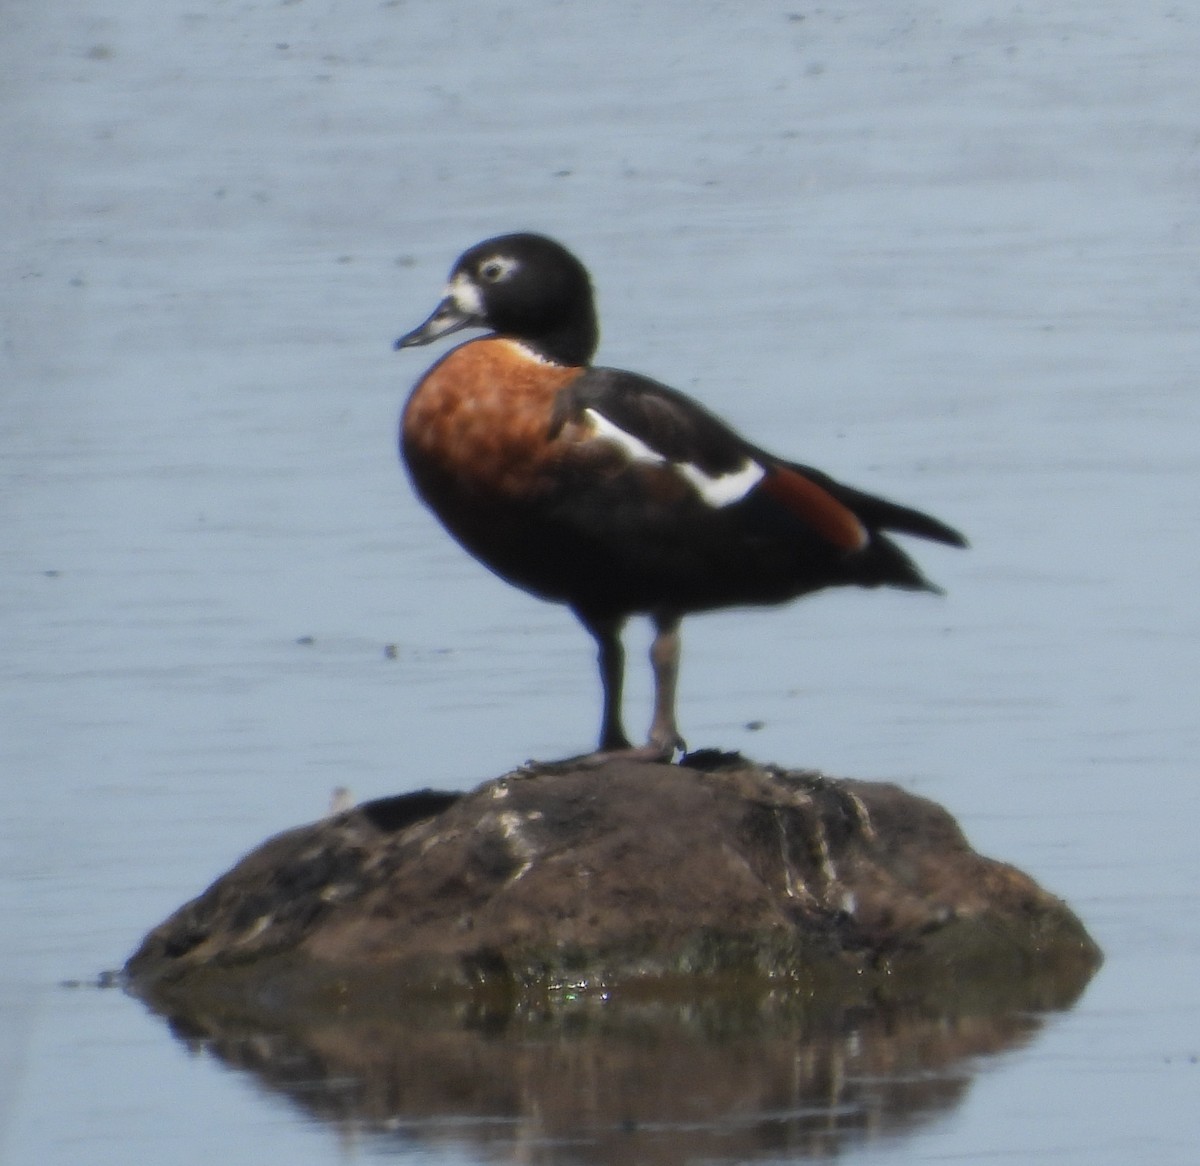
x: 710, y: 875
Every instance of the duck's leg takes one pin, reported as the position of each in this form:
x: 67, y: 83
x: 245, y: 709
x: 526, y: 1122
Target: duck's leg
x: 610, y: 654
x: 664, y: 659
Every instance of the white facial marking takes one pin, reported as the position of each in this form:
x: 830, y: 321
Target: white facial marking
x: 497, y: 268
x: 723, y: 490
x: 465, y: 295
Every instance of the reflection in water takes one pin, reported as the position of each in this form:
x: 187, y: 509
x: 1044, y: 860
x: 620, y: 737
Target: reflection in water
x: 601, y: 1083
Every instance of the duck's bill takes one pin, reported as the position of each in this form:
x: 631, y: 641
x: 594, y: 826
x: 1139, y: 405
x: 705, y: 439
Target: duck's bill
x: 447, y: 317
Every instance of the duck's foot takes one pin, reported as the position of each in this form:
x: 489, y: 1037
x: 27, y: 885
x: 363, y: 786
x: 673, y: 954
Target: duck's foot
x: 652, y: 751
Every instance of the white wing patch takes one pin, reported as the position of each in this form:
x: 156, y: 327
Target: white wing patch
x: 722, y: 490
x: 635, y: 447
x: 725, y: 489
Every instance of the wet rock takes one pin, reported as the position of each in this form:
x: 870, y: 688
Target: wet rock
x: 714, y: 876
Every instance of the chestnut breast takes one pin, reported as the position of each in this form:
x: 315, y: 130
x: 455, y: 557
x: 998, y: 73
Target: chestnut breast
x: 478, y: 423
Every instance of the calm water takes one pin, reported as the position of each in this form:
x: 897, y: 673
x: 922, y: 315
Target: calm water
x: 947, y: 251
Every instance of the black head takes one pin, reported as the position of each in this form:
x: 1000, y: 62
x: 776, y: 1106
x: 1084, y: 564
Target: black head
x: 524, y: 286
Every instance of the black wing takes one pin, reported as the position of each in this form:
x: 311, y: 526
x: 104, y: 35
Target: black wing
x: 671, y: 424
x: 684, y: 433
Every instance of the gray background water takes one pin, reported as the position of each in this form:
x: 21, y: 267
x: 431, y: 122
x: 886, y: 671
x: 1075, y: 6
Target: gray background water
x: 946, y: 251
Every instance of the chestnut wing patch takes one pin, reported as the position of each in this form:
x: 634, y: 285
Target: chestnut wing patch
x: 880, y: 514
x: 836, y: 523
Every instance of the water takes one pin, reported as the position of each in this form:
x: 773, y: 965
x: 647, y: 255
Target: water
x: 945, y: 251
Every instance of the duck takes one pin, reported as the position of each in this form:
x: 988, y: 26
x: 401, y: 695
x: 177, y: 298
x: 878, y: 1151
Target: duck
x: 612, y: 493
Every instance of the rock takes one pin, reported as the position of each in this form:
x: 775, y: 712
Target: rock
x: 713, y: 876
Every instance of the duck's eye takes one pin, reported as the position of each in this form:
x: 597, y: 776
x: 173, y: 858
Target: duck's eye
x: 494, y: 270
